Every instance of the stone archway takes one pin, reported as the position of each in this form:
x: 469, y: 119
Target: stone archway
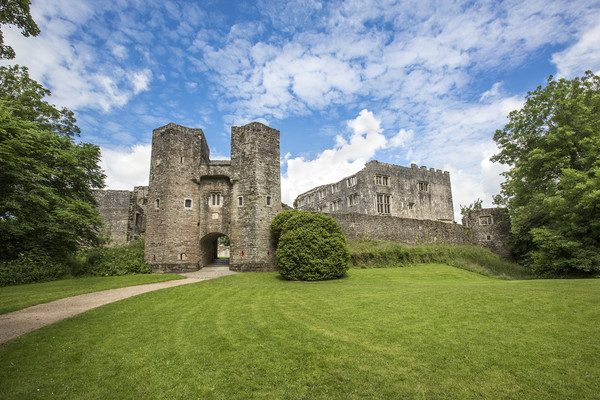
x: 209, y: 247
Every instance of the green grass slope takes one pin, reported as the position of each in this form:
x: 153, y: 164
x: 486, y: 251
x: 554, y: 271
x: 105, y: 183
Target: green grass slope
x: 429, y: 331
x: 367, y: 253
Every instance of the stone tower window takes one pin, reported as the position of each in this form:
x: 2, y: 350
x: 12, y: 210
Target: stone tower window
x: 485, y: 220
x: 335, y: 188
x: 157, y: 204
x: 187, y: 204
x: 424, y: 186
x: 214, y: 200
x: 411, y: 206
x: 240, y: 201
x: 268, y: 200
x: 181, y: 256
x: 383, y: 204
x: 382, y: 180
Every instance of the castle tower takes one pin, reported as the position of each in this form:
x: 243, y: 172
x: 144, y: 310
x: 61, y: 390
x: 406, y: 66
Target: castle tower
x: 256, y: 195
x: 173, y: 218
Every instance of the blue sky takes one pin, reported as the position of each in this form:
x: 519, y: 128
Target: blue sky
x: 345, y: 82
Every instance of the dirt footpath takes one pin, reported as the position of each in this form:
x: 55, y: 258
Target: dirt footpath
x: 23, y: 321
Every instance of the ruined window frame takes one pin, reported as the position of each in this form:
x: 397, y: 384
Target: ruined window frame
x: 185, y: 206
x: 383, y: 203
x: 352, y: 200
x: 411, y: 206
x: 485, y: 220
x: 351, y: 181
x: 424, y: 186
x: 382, y: 180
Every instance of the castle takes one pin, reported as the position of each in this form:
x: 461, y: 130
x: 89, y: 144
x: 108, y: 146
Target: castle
x: 192, y: 201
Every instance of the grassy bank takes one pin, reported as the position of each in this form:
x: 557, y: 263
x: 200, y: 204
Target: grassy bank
x: 427, y: 331
x: 14, y: 298
x: 366, y: 253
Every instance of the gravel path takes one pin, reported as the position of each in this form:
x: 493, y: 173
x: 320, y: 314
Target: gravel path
x: 19, y: 322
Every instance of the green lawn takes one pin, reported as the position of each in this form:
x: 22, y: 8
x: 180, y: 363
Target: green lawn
x: 14, y: 298
x: 423, y: 332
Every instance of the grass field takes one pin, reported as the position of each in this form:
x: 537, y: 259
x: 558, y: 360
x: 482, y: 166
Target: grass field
x: 17, y: 297
x: 423, y: 332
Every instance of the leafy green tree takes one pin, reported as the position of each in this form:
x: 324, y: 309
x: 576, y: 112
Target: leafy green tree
x: 16, y: 12
x: 476, y: 205
x: 552, y: 189
x: 46, y: 178
x: 310, y: 247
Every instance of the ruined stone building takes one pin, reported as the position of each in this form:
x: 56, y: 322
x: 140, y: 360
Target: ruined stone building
x: 192, y: 201
x: 386, y: 189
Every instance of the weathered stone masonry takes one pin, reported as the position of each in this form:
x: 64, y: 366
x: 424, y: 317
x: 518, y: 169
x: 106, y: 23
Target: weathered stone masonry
x: 191, y: 201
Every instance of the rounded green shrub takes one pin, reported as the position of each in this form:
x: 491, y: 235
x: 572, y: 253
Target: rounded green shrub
x: 310, y: 247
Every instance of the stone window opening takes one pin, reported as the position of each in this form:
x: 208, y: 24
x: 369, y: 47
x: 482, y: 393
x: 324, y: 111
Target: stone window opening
x: 488, y: 238
x: 383, y: 204
x: 411, y: 206
x: 180, y: 160
x: 157, y: 204
x: 351, y: 181
x: 424, y: 186
x: 352, y: 200
x: 382, y: 180
x: 336, y: 205
x: 214, y: 200
x: 187, y: 204
x: 335, y: 188
x: 268, y: 200
x: 240, y: 201
x: 181, y: 257
x: 485, y: 220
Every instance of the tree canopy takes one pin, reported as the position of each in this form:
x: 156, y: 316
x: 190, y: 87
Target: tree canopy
x: 46, y: 178
x: 16, y: 12
x: 552, y: 189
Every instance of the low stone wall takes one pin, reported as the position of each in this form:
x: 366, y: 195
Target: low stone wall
x: 404, y: 230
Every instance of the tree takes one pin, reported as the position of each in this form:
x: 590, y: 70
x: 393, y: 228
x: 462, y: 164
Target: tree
x: 552, y: 189
x: 310, y: 247
x: 46, y: 178
x: 476, y: 205
x: 16, y: 12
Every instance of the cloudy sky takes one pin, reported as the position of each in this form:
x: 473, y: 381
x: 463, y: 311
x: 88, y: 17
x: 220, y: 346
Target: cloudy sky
x: 345, y: 82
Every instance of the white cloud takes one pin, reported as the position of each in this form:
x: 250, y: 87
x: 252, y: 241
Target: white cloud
x: 401, y: 138
x: 126, y: 168
x: 140, y: 80
x: 345, y: 158
x: 583, y: 55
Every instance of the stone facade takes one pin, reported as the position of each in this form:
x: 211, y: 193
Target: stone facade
x: 193, y: 201
x: 123, y: 212
x: 386, y: 190
x: 491, y: 229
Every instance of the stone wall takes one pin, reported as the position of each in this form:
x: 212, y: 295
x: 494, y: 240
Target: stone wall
x: 113, y: 206
x: 403, y: 230
x: 491, y: 229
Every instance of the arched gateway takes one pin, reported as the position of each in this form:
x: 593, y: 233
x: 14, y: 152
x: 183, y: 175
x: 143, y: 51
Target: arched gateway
x: 193, y: 200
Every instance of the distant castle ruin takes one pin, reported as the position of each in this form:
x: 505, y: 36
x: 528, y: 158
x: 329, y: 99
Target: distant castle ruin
x: 192, y: 201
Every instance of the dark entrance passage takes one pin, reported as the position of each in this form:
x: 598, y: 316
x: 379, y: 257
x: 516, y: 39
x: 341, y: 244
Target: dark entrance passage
x: 214, y: 249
